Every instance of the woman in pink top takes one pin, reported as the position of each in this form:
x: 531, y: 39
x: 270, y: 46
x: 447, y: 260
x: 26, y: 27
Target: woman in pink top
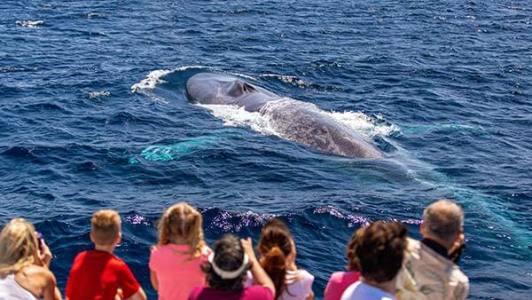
x: 340, y: 281
x: 175, y: 262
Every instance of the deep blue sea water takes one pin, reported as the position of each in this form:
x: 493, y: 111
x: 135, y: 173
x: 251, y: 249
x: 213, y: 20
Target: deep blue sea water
x: 93, y: 114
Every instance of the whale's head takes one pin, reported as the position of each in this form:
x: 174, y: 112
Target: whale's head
x: 212, y: 88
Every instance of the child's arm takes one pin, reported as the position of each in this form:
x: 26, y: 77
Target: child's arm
x: 310, y: 296
x: 130, y: 286
x: 259, y: 275
x: 57, y: 294
x: 139, y: 295
x: 154, y: 281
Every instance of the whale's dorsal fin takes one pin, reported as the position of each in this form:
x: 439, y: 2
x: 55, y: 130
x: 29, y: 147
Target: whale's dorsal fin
x: 238, y: 88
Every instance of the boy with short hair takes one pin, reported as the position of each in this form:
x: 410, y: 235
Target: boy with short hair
x: 98, y: 274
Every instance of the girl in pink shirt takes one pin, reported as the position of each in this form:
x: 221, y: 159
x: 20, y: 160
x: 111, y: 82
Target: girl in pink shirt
x: 340, y: 281
x: 175, y: 262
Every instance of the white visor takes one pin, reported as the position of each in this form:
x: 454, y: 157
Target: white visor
x: 228, y: 274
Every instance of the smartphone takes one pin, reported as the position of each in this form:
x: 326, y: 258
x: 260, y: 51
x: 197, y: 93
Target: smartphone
x: 40, y: 240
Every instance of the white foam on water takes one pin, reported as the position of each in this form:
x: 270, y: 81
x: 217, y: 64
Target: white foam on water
x: 351, y: 219
x: 98, y: 94
x: 154, y: 78
x: 93, y: 15
x: 293, y: 80
x: 366, y: 125
x: 184, y: 68
x: 234, y: 116
x: 151, y: 80
x: 236, y: 222
x: 243, y: 76
x: 30, y: 23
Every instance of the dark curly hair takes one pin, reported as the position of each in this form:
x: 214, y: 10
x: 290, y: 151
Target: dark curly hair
x: 228, y: 256
x: 380, y: 250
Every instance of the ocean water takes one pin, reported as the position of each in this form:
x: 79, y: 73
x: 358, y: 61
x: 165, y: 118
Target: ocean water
x: 93, y: 114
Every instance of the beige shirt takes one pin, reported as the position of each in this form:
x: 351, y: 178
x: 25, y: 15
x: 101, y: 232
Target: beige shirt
x: 427, y: 275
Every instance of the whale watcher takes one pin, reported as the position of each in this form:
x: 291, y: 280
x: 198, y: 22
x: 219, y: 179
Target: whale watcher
x: 380, y: 253
x: 226, y: 271
x: 340, y: 281
x: 24, y: 264
x: 278, y: 258
x: 175, y: 262
x: 98, y: 273
x: 430, y: 268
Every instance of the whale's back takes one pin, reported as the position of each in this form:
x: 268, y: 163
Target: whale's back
x: 307, y: 124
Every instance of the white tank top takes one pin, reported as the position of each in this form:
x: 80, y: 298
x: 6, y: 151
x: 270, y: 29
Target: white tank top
x: 11, y: 290
x: 298, y: 285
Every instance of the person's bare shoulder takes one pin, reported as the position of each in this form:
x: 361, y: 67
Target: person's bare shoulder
x: 38, y: 275
x: 36, y: 279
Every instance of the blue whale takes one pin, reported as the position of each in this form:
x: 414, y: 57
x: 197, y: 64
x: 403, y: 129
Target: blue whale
x: 292, y: 119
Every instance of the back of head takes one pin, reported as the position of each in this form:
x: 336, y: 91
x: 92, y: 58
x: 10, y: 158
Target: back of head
x: 352, y: 259
x: 18, y: 246
x: 182, y: 222
x: 105, y: 227
x: 380, y: 251
x: 228, y: 257
x: 275, y: 245
x: 444, y: 220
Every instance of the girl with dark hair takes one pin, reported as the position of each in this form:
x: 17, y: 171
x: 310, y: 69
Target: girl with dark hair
x: 340, y: 281
x: 278, y: 258
x: 226, y: 271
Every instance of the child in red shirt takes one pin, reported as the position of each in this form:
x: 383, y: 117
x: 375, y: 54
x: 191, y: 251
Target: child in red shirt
x: 98, y: 274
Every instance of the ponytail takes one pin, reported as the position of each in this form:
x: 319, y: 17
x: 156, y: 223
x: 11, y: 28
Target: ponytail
x: 274, y: 263
x: 276, y: 245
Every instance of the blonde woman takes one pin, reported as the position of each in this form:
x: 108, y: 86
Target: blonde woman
x: 175, y: 262
x: 24, y: 262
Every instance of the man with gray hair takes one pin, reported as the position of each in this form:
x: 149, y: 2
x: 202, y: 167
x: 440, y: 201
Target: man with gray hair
x: 429, y: 269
